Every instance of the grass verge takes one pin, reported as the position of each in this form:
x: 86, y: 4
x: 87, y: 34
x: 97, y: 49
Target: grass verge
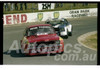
x: 91, y: 41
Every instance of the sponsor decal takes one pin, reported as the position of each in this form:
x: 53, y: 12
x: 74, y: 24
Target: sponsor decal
x: 33, y: 28
x: 40, y: 16
x: 56, y: 14
x: 44, y: 26
x: 79, y: 13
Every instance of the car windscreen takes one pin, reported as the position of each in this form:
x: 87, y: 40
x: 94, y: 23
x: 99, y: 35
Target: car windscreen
x: 40, y: 30
x: 55, y: 22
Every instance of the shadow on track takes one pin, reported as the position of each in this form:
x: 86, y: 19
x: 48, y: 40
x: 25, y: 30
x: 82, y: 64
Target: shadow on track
x: 13, y: 53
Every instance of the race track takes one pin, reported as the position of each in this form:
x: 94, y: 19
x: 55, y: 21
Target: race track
x: 80, y: 26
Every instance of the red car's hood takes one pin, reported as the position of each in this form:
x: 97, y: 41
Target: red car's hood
x: 42, y: 38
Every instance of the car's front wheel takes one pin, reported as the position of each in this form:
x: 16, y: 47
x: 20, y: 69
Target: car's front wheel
x: 61, y: 52
x: 70, y: 33
x: 67, y: 34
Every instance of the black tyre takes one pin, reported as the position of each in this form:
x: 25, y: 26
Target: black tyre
x: 61, y: 52
x: 70, y: 33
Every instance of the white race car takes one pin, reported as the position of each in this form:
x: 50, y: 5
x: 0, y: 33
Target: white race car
x: 62, y: 26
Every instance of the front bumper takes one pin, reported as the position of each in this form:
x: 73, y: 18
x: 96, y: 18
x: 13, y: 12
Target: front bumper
x: 63, y: 33
x: 30, y: 51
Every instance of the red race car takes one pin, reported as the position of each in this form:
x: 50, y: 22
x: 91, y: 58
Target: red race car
x: 41, y: 39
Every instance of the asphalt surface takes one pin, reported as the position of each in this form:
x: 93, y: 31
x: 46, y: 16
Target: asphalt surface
x: 85, y: 55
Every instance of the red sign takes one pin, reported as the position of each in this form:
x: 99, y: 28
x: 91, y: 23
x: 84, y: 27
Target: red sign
x: 15, y: 19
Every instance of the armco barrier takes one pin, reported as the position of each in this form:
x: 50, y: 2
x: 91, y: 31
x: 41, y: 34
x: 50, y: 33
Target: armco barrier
x: 42, y: 16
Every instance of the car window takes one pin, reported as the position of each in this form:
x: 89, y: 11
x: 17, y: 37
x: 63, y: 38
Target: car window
x: 66, y: 22
x: 41, y: 30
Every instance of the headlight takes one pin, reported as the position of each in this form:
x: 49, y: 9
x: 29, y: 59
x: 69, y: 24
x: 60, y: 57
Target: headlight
x: 57, y: 42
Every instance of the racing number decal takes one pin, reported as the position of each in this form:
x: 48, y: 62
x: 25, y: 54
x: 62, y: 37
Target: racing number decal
x: 46, y: 5
x: 40, y: 16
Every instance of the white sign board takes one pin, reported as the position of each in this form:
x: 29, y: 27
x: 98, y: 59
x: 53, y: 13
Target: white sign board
x: 43, y: 16
x: 45, y: 6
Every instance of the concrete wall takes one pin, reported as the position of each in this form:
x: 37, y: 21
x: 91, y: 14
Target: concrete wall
x: 42, y: 16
